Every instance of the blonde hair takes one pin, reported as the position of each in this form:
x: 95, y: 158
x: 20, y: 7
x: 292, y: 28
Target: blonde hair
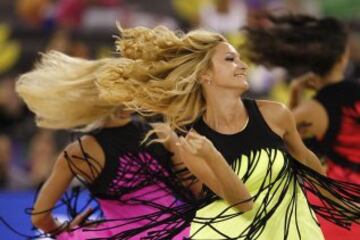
x: 157, y: 73
x: 62, y: 92
x: 163, y: 77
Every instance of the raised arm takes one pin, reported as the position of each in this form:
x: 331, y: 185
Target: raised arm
x: 310, y: 116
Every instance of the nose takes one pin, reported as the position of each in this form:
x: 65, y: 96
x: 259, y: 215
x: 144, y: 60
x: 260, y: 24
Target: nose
x: 242, y: 65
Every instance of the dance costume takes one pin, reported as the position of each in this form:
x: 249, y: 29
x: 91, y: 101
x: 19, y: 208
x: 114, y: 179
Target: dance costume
x: 142, y: 197
x: 341, y: 143
x: 275, y: 182
x: 136, y: 189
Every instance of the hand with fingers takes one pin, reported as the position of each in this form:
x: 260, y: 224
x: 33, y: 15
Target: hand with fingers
x: 79, y: 220
x: 165, y: 133
x: 298, y: 86
x: 212, y: 169
x: 306, y: 81
x: 197, y: 145
x: 195, y: 152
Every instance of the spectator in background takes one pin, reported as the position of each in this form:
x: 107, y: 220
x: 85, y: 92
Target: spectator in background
x: 5, y: 158
x: 16, y: 127
x: 41, y: 156
x: 10, y: 50
x: 37, y: 14
x: 67, y: 41
x: 224, y: 16
x: 187, y: 12
x: 70, y: 13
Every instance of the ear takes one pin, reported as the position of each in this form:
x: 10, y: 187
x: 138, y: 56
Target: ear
x: 206, y: 76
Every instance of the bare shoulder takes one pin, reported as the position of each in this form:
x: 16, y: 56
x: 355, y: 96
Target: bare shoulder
x: 271, y: 105
x: 310, y: 108
x: 277, y: 115
x: 84, y: 157
x: 87, y: 144
x: 313, y: 115
x: 273, y: 110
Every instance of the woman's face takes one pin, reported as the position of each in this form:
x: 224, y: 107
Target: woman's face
x: 227, y: 70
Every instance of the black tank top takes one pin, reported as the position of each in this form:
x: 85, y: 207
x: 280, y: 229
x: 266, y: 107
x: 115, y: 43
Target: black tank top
x: 256, y: 135
x: 341, y: 142
x: 125, y: 142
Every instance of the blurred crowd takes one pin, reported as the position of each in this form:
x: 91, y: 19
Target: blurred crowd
x: 85, y: 28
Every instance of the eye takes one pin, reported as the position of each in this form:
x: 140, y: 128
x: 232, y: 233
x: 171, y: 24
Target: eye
x: 229, y: 59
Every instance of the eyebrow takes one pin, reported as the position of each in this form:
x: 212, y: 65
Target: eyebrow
x: 233, y: 54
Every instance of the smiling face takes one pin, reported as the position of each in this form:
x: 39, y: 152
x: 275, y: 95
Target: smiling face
x: 227, y: 70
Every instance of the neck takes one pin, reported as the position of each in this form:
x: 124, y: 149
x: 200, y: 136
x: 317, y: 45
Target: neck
x: 225, y: 113
x: 333, y: 77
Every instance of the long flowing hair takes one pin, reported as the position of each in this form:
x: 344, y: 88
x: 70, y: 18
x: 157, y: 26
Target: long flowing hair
x: 62, y: 92
x: 157, y: 73
x: 164, y: 75
x: 299, y: 43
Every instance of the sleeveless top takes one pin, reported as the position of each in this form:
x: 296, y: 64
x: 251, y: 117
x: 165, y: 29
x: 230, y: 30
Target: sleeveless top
x: 341, y: 142
x: 141, y: 197
x: 255, y: 135
x: 124, y: 143
x: 137, y: 190
x: 277, y: 184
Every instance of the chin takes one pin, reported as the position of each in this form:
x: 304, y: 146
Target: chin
x: 244, y: 86
x: 240, y: 89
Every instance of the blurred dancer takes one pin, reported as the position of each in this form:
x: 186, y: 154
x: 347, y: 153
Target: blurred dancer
x: 316, y: 51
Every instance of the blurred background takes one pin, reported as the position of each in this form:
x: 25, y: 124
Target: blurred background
x: 85, y: 28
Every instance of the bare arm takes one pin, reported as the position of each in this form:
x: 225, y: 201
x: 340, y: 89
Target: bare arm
x: 49, y: 194
x: 306, y: 81
x: 296, y: 146
x: 310, y: 116
x: 282, y: 122
x: 206, y: 163
x: 169, y: 139
x: 60, y: 178
x: 299, y: 151
x: 208, y: 166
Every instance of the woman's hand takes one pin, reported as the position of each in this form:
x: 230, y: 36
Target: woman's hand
x: 198, y: 145
x: 305, y: 81
x: 165, y: 134
x: 80, y: 219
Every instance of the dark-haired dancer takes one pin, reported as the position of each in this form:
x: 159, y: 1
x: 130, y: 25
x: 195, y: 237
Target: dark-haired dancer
x: 315, y: 51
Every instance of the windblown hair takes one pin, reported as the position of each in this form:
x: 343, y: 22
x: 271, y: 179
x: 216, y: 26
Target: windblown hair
x: 164, y: 75
x: 299, y: 43
x: 62, y: 92
x: 157, y: 73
